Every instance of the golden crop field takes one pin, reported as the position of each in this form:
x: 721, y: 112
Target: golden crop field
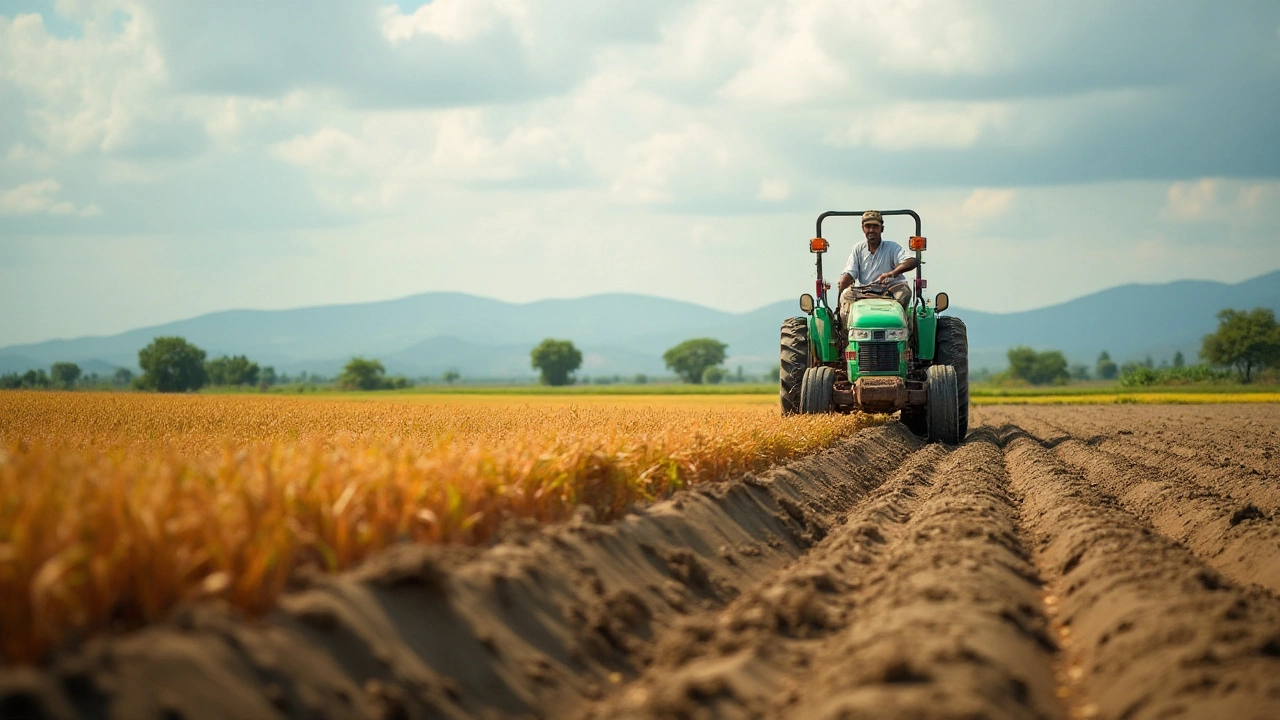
x: 115, y: 507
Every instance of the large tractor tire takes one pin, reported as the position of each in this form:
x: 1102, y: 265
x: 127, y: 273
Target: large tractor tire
x: 794, y: 360
x: 816, y: 390
x: 953, y: 350
x: 943, y: 407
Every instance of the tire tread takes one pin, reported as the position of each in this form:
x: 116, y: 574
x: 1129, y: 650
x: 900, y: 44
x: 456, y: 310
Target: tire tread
x: 793, y: 361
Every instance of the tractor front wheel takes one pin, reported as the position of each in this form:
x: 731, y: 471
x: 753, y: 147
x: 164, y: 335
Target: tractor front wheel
x: 794, y: 360
x: 953, y: 350
x: 816, y: 390
x: 943, y: 406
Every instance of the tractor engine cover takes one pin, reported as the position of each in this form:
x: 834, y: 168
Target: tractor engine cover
x: 880, y: 394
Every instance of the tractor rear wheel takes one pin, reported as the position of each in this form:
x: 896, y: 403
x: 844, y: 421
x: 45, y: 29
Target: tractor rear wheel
x: 794, y: 360
x: 816, y: 390
x: 953, y: 349
x: 943, y: 406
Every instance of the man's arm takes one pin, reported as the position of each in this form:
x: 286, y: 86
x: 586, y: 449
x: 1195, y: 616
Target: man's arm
x: 850, y: 267
x: 903, y: 267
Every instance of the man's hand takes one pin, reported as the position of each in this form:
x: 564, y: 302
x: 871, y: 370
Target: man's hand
x: 885, y: 278
x: 845, y: 281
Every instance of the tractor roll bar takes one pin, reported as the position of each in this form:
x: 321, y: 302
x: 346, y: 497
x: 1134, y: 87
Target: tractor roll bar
x: 820, y: 288
x: 850, y: 213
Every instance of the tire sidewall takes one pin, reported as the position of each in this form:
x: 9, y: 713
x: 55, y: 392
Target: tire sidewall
x: 943, y: 407
x: 794, y: 358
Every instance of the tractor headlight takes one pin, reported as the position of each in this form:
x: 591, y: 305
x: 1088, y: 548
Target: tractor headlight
x: 878, y: 334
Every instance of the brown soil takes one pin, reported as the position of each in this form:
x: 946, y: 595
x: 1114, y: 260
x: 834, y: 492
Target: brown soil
x: 1110, y: 562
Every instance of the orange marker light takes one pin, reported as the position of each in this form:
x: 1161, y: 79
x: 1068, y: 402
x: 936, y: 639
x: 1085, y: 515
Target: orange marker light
x: 818, y: 245
x: 917, y: 243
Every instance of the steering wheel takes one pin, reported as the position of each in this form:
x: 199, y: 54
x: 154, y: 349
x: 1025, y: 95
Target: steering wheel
x: 880, y: 289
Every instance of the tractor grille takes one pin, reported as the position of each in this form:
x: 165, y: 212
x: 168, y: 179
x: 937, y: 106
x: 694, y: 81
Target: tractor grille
x: 877, y: 357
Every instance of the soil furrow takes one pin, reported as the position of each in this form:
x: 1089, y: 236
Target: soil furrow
x: 1148, y: 631
x: 1061, y: 563
x: 1207, y: 468
x: 750, y: 658
x: 951, y: 624
x: 1233, y: 451
x: 1235, y: 538
x: 923, y: 604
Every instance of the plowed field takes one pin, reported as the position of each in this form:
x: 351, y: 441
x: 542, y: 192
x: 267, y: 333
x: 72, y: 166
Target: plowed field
x: 1064, y: 562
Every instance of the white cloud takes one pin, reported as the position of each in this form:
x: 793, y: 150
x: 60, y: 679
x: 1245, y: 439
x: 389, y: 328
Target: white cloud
x: 1196, y: 200
x: 451, y: 20
x: 686, y: 121
x: 654, y: 169
x: 327, y: 150
x: 912, y: 126
x: 773, y: 190
x: 41, y: 198
x: 789, y: 65
x: 987, y: 203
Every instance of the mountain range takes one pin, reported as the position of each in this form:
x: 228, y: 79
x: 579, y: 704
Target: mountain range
x: 621, y: 334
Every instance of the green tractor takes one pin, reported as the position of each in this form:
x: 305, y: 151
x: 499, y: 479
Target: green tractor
x: 889, y: 359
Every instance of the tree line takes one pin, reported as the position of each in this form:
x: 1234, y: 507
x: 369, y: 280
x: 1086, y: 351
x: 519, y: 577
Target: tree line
x: 695, y: 361
x: 173, y: 364
x: 1245, y: 342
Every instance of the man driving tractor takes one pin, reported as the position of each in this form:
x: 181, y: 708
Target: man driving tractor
x: 875, y: 261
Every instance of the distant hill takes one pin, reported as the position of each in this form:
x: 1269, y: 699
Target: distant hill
x: 624, y: 334
x: 1129, y: 321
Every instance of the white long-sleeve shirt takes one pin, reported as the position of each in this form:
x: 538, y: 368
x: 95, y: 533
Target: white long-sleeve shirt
x: 865, y: 266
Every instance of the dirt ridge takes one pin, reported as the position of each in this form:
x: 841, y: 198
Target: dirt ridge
x: 1207, y: 648
x: 1055, y: 565
x: 534, y: 626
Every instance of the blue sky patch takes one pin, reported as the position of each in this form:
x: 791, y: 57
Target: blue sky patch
x: 57, y: 25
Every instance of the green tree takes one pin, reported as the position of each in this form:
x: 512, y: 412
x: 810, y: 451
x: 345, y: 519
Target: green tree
x: 269, y: 376
x: 1079, y: 371
x: 1106, y: 367
x: 556, y: 359
x: 64, y: 374
x: 122, y: 377
x: 1022, y: 362
x: 171, y: 364
x: 1037, y: 368
x: 1246, y: 341
x: 1178, y: 360
x: 362, y: 374
x: 691, y: 358
x: 236, y: 370
x: 450, y: 376
x: 35, y: 379
x: 713, y: 375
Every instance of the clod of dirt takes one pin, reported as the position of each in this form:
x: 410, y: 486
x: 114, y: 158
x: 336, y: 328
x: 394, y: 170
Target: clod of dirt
x: 1248, y: 512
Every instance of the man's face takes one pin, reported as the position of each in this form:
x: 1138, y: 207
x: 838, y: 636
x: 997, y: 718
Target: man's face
x: 872, y: 231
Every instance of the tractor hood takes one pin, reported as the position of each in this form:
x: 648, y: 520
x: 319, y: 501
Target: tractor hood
x: 877, y: 313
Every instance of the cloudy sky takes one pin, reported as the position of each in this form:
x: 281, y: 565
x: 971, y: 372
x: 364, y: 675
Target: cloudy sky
x: 164, y: 158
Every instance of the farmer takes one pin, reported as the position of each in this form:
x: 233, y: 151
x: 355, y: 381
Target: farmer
x: 875, y: 261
